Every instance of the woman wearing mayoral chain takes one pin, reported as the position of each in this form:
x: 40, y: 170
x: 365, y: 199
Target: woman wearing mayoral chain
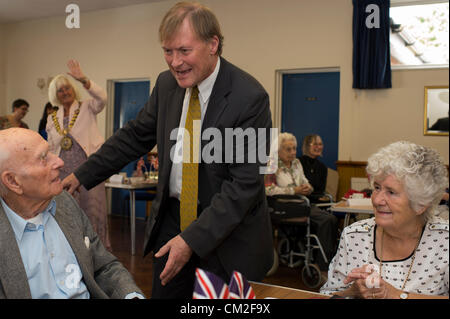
x: 73, y: 135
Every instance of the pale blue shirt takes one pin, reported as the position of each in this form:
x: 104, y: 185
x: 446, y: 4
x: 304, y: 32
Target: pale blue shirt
x: 50, y: 263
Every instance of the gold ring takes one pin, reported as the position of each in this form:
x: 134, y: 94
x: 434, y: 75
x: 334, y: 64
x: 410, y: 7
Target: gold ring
x: 373, y: 295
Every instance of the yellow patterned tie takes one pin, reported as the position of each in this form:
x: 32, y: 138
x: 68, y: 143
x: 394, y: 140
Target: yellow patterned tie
x: 189, y: 182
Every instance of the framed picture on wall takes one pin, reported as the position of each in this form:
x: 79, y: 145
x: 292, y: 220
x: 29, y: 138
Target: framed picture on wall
x: 436, y: 111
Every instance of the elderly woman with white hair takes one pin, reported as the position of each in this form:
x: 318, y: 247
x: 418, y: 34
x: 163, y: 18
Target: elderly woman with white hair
x: 73, y: 135
x: 403, y: 251
x: 290, y: 179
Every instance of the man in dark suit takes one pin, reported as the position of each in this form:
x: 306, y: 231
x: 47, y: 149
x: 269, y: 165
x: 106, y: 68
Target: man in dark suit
x: 232, y: 230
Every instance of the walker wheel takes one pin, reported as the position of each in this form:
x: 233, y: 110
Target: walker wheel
x: 284, y: 254
x: 313, y: 277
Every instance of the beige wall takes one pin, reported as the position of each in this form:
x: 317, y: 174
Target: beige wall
x: 261, y: 36
x: 2, y: 72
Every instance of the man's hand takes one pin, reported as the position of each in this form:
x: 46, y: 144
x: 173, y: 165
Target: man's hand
x: 71, y: 183
x: 179, y: 255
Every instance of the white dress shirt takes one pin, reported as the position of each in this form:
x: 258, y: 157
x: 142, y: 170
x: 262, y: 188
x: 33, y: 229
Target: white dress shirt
x: 205, y: 89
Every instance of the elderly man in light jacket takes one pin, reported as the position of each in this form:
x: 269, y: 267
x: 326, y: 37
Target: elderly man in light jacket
x: 48, y: 248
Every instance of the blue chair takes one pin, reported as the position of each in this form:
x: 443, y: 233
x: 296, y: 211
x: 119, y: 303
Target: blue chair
x: 140, y: 195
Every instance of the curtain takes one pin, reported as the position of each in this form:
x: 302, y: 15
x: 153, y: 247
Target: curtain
x: 371, y: 53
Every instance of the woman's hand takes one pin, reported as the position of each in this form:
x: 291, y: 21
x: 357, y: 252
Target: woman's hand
x: 368, y: 284
x: 303, y: 189
x: 76, y: 72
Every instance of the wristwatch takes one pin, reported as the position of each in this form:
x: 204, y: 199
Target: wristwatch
x: 404, y: 295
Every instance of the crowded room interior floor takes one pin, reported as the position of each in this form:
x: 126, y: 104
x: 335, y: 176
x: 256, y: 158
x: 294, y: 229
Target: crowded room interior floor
x: 141, y: 267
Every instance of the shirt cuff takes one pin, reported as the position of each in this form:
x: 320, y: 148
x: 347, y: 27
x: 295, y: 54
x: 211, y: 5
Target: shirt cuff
x: 134, y: 295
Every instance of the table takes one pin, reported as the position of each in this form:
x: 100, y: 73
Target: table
x: 263, y: 290
x: 343, y: 207
x: 132, y: 188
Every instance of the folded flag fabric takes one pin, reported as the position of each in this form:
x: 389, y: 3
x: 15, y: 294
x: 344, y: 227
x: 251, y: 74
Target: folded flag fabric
x: 209, y: 286
x: 240, y: 288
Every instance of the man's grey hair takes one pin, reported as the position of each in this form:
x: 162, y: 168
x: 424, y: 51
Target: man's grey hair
x: 419, y: 168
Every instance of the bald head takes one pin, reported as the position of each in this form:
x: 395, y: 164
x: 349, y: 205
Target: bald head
x: 28, y: 171
x: 15, y: 144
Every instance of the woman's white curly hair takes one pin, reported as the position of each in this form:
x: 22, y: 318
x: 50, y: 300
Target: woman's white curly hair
x: 419, y: 168
x: 56, y: 83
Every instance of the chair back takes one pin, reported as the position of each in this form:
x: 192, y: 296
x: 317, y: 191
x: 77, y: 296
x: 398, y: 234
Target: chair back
x: 288, y: 206
x: 332, y: 183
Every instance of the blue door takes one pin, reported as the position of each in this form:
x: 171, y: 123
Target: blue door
x: 310, y: 105
x: 129, y: 99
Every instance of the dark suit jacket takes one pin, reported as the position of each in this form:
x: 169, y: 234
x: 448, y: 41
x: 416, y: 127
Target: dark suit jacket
x: 103, y: 275
x: 234, y: 221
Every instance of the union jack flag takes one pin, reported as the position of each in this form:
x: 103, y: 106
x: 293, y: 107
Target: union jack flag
x: 209, y: 286
x: 240, y: 288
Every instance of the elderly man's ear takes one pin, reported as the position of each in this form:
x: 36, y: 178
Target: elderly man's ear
x: 10, y: 181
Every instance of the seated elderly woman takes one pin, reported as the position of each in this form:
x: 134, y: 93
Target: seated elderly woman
x: 403, y: 251
x: 290, y: 179
x: 315, y: 171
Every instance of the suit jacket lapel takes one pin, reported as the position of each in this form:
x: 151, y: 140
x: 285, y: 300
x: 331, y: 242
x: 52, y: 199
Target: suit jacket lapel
x: 65, y: 221
x: 12, y: 271
x: 217, y: 102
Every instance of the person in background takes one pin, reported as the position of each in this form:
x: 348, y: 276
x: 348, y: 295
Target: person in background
x: 403, y: 251
x: 141, y: 168
x: 315, y: 171
x: 215, y: 216
x: 48, y: 247
x: 20, y: 109
x: 48, y: 109
x: 290, y: 179
x: 73, y: 135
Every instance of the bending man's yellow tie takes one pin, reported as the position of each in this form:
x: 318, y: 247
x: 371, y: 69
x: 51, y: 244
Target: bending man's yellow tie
x: 189, y: 182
